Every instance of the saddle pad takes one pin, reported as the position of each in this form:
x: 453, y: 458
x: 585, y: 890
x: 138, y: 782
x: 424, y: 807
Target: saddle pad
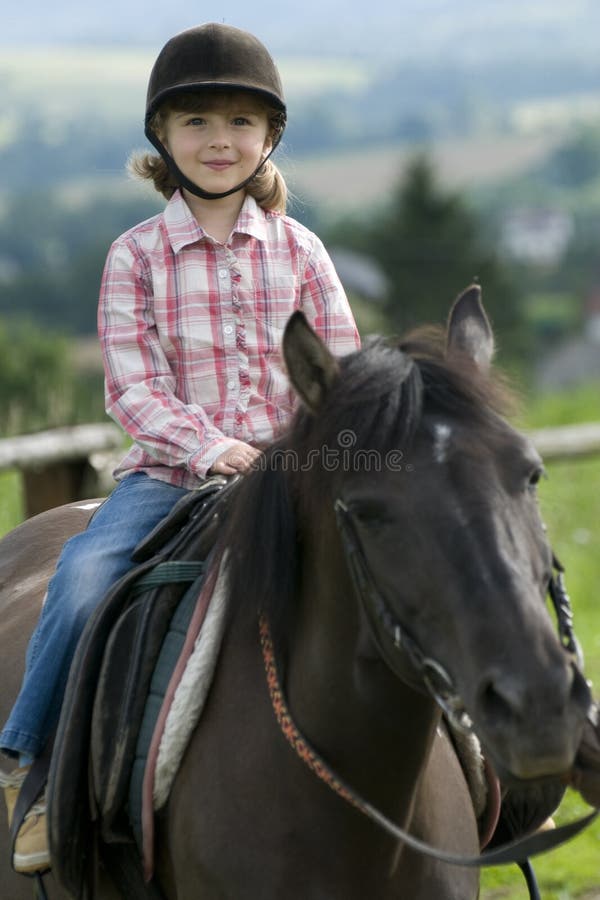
x: 179, y: 687
x: 167, y: 660
x: 191, y: 694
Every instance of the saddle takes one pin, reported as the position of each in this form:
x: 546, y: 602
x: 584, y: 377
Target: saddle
x: 109, y: 682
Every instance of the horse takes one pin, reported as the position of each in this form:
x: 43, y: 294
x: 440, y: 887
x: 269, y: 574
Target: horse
x: 388, y: 549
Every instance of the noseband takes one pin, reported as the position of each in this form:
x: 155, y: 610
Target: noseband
x: 424, y: 672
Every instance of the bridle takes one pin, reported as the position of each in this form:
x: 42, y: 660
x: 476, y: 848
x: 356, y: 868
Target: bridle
x: 427, y: 673
x: 423, y: 672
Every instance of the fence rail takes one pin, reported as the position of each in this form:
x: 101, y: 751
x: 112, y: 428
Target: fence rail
x: 57, y: 466
x: 567, y: 441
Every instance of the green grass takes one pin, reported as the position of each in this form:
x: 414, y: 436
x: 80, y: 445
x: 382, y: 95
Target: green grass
x: 564, y: 407
x: 11, y: 501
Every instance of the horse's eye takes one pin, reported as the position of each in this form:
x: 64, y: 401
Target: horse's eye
x: 535, y: 476
x: 370, y: 513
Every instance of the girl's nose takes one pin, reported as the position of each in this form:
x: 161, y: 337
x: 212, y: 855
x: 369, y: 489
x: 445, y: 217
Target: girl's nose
x: 219, y: 137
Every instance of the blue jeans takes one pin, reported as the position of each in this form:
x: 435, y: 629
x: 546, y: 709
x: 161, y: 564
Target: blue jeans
x: 90, y: 563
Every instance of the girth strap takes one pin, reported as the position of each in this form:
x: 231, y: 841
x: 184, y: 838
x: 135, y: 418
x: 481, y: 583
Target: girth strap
x: 172, y: 571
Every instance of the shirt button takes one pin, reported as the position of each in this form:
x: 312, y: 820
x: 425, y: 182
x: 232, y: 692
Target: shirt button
x: 228, y: 329
x: 231, y: 384
x: 223, y: 273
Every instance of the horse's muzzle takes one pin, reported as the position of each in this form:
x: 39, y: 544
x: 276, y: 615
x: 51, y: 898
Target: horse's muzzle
x: 532, y: 730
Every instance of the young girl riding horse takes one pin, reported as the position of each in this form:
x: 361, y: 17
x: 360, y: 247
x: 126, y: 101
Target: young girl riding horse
x: 192, y: 309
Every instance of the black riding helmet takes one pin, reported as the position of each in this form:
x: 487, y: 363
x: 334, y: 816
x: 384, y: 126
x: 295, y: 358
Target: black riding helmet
x: 213, y: 57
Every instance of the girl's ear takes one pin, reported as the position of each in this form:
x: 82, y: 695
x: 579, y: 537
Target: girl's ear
x: 268, y: 145
x: 161, y: 128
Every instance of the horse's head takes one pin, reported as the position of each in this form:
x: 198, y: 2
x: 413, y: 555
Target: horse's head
x: 437, y: 512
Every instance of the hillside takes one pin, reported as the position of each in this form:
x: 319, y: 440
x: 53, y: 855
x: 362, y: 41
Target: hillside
x: 359, y: 178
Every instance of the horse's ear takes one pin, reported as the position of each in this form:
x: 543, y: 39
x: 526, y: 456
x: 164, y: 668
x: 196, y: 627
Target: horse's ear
x: 469, y: 331
x: 312, y: 369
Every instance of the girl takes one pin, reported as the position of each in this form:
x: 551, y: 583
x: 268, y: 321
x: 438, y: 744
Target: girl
x: 192, y: 308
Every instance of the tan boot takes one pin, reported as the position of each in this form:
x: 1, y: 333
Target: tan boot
x: 31, y: 846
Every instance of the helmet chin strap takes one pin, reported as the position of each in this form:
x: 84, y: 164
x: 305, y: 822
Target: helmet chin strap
x: 191, y: 186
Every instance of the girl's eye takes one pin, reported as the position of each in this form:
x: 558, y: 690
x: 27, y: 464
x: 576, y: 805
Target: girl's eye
x: 241, y: 120
x: 196, y: 121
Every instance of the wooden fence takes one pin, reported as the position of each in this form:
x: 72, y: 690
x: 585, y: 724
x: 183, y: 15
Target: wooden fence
x: 56, y: 466
x: 567, y: 441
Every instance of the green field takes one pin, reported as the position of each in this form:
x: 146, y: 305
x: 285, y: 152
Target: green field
x: 570, y: 502
x: 63, y: 82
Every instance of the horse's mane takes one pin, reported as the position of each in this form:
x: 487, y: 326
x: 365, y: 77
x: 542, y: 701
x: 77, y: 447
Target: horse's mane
x: 373, y: 406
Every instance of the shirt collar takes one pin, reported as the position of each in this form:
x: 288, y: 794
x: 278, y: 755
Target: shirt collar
x: 183, y: 229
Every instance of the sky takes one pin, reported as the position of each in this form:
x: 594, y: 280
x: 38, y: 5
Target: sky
x: 392, y: 29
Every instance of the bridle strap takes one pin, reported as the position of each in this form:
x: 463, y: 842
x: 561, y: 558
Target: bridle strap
x: 515, y: 851
x: 402, y: 654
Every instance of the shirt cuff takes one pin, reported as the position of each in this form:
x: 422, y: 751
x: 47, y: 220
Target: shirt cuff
x: 200, y: 462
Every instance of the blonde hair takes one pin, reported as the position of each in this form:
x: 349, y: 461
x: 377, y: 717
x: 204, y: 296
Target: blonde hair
x: 268, y: 186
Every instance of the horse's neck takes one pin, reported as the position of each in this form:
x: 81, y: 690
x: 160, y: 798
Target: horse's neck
x: 378, y: 730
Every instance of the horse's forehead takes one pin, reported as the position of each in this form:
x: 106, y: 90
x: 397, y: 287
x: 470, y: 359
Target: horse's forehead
x: 495, y: 439
x: 442, y: 436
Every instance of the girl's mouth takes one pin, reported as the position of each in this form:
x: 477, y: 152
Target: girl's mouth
x: 218, y: 165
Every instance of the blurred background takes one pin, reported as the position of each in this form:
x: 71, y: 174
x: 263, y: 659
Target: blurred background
x: 430, y: 142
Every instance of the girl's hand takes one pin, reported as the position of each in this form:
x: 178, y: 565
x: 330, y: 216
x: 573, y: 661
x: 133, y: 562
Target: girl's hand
x: 238, y: 458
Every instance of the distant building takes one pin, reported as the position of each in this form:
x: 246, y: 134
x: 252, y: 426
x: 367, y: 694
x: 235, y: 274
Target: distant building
x: 577, y: 359
x: 537, y: 236
x: 359, y: 274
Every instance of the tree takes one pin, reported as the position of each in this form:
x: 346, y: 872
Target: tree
x: 36, y: 378
x: 430, y: 245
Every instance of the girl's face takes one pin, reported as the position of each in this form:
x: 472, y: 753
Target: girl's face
x: 221, y: 142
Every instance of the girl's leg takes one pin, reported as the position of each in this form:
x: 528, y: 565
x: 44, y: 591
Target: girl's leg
x: 89, y: 565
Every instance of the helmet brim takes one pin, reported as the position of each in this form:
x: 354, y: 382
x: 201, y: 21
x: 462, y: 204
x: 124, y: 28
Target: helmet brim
x: 199, y: 86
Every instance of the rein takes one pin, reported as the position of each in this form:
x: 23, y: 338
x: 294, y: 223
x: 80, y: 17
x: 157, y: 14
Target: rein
x: 515, y: 851
x: 438, y: 683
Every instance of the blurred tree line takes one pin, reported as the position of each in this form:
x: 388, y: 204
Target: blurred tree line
x: 52, y: 251
x: 40, y: 385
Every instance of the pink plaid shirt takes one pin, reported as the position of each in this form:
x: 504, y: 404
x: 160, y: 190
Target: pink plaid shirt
x: 191, y: 333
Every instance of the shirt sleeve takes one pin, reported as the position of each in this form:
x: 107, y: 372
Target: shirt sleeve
x: 325, y: 304
x: 139, y: 382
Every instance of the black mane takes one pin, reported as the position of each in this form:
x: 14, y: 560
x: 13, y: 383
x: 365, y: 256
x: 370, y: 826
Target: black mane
x: 373, y: 406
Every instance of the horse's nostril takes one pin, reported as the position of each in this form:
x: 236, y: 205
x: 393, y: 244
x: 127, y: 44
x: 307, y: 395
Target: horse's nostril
x: 496, y: 706
x: 580, y: 690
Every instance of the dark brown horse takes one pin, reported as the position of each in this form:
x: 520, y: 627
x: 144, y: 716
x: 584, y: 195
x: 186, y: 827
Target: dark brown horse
x: 392, y: 534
